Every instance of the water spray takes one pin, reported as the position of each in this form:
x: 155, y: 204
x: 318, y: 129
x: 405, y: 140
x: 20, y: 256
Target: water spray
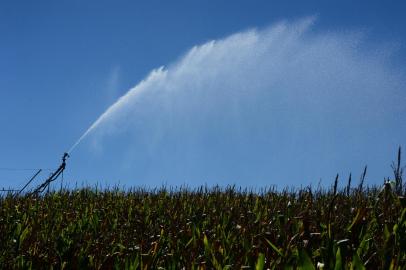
x: 80, y: 139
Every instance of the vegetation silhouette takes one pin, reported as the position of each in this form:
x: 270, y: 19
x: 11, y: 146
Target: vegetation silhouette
x: 346, y: 227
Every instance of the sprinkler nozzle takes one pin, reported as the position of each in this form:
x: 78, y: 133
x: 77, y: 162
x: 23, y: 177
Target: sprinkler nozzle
x: 65, y: 156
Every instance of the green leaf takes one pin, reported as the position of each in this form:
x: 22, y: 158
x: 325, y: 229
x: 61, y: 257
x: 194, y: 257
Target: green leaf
x: 188, y: 243
x: 121, y: 246
x: 206, y: 243
x: 356, y: 262
x: 355, y: 220
x: 339, y: 263
x: 260, y: 262
x: 24, y: 235
x: 386, y: 232
x: 305, y: 262
x: 275, y: 248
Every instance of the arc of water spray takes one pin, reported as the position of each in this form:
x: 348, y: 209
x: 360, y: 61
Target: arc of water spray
x: 115, y: 107
x: 79, y: 140
x: 94, y: 125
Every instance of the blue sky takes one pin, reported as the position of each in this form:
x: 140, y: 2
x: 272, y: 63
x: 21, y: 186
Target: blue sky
x: 63, y: 64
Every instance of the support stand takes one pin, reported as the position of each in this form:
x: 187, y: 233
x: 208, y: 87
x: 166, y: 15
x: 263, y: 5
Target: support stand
x: 52, y: 177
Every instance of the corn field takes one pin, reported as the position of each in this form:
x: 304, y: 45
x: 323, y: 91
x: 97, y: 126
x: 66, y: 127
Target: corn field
x: 207, y: 228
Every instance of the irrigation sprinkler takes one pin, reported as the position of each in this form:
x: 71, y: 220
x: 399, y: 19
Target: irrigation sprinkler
x: 52, y: 177
x: 45, y: 184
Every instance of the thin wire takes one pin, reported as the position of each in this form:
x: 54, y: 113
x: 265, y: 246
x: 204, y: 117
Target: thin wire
x: 9, y: 190
x: 18, y: 169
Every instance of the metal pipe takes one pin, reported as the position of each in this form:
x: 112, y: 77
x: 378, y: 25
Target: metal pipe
x: 32, y: 178
x: 52, y: 177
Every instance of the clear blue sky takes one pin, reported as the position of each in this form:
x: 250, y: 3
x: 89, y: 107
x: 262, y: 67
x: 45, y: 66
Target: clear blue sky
x: 62, y: 63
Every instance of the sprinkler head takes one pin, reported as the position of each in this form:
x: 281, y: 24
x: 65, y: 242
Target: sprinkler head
x: 65, y: 156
